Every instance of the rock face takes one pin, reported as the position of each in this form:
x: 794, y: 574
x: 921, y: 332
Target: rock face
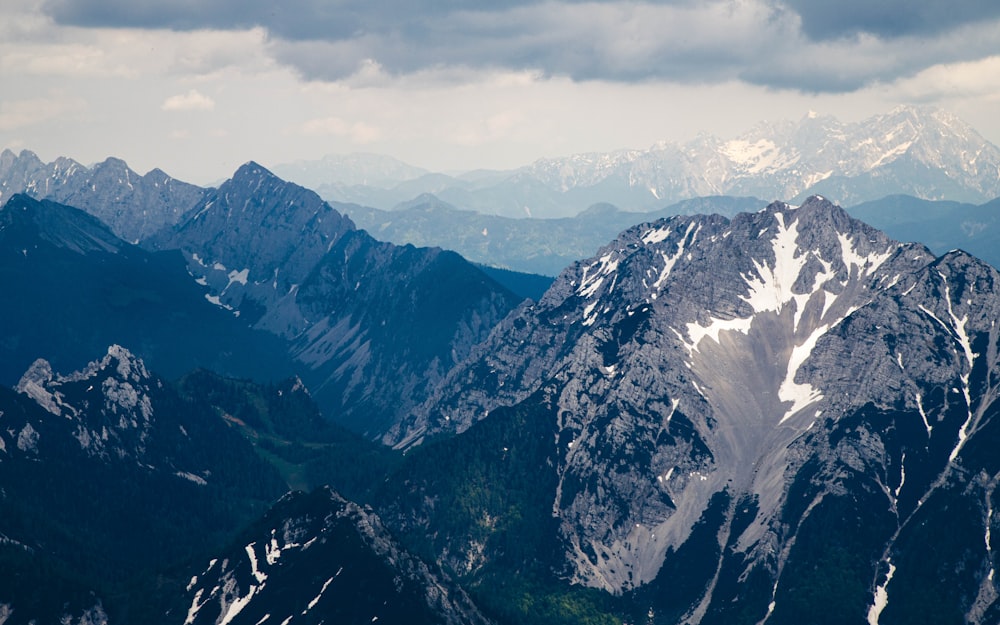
x: 122, y: 419
x: 773, y: 397
x: 319, y: 558
x: 372, y: 324
x: 132, y: 205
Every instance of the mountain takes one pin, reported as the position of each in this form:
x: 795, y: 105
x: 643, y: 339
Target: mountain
x: 926, y: 153
x: 786, y: 416
x: 319, y: 558
x: 133, y: 206
x: 371, y: 325
x: 74, y: 288
x: 109, y: 479
x: 921, y: 152
x: 540, y: 246
x: 782, y: 416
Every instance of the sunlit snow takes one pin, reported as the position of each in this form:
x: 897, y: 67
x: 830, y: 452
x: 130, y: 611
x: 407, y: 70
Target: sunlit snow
x: 669, y: 261
x: 771, y: 288
x: 881, y: 598
x: 259, y: 575
x: 656, y: 235
x: 957, y: 330
x: 191, y: 477
x: 591, y: 281
x: 195, y: 607
x: 801, y: 395
x: 923, y: 415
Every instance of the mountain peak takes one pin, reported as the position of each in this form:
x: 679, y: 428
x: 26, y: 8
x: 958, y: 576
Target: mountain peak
x: 252, y: 170
x: 132, y: 206
x: 110, y: 398
x: 367, y: 576
x: 114, y: 163
x: 59, y: 225
x: 126, y: 366
x: 735, y: 312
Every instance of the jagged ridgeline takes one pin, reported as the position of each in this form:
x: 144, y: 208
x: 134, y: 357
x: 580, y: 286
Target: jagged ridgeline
x: 371, y: 326
x: 784, y: 416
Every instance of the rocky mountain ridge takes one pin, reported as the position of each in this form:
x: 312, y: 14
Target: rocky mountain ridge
x: 80, y: 288
x: 132, y: 205
x: 754, y: 377
x: 289, y: 263
x: 108, y: 473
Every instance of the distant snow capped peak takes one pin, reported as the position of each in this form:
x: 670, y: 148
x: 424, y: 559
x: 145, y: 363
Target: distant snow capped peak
x: 852, y: 162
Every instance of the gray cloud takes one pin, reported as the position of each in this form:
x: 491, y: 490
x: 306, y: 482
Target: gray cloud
x: 822, y: 20
x: 809, y: 45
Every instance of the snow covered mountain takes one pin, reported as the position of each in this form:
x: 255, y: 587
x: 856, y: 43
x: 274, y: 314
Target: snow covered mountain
x: 133, y: 206
x: 782, y: 417
x: 926, y: 153
x: 774, y: 397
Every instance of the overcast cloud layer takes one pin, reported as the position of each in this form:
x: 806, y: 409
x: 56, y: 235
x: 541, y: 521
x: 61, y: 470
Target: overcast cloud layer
x: 455, y: 84
x: 805, y: 44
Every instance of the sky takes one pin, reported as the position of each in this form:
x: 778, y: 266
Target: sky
x: 199, y: 87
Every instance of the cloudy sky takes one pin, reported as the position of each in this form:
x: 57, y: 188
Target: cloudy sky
x: 197, y: 87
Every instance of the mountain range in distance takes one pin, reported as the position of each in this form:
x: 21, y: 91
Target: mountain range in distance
x: 547, y: 246
x: 261, y: 278
x: 918, y: 174
x: 925, y: 153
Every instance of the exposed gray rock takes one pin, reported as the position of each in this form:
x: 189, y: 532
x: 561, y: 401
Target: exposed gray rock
x: 792, y: 358
x: 134, y: 206
x: 373, y: 325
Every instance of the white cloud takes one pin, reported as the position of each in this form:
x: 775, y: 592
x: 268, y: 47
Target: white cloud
x: 193, y: 100
x: 950, y: 80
